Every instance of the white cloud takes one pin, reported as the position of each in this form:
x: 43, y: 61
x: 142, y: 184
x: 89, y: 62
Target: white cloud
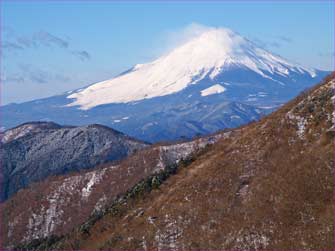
x: 171, y: 39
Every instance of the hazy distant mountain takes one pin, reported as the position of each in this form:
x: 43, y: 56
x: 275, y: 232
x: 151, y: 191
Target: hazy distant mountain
x: 214, y: 81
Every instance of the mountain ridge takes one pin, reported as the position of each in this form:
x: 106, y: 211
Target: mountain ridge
x: 34, y: 151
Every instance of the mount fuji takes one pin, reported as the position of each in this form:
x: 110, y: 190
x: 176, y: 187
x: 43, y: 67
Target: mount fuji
x: 216, y: 80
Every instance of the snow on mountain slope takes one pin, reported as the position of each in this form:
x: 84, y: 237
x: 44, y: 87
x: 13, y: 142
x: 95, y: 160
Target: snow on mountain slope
x: 207, y: 55
x: 214, y: 89
x: 167, y: 98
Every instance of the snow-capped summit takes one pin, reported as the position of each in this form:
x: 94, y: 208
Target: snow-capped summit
x: 215, y: 80
x: 211, y: 53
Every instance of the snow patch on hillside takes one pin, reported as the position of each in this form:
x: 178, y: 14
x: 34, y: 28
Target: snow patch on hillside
x: 177, y: 152
x: 43, y: 223
x: 301, y: 123
x: 214, y: 89
x: 94, y: 178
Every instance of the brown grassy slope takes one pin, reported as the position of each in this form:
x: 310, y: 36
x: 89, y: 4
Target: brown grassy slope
x: 268, y: 186
x: 55, y: 206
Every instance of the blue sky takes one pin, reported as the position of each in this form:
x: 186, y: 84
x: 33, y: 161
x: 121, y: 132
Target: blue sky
x: 51, y: 47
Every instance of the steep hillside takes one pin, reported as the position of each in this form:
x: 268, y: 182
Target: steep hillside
x: 34, y: 151
x: 268, y: 185
x: 56, y: 205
